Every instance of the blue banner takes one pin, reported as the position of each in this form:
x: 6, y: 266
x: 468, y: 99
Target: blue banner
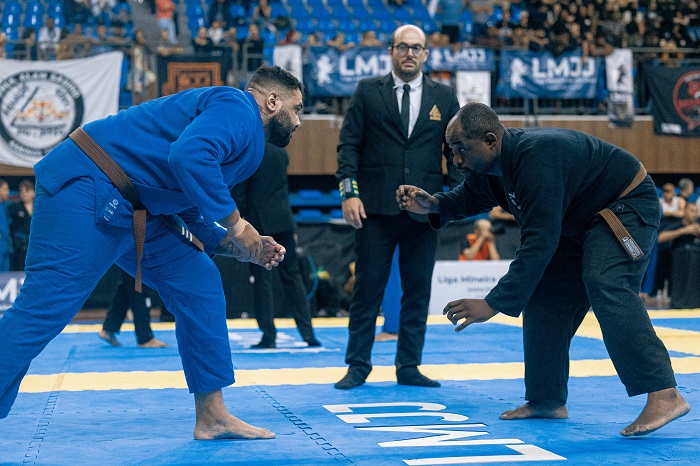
x: 331, y: 73
x: 540, y: 74
x: 466, y: 59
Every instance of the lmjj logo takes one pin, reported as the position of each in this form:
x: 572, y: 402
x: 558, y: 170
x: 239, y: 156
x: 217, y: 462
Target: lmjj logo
x: 10, y: 283
x: 362, y: 66
x: 548, y: 69
x: 450, y: 430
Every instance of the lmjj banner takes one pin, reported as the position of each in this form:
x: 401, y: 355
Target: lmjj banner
x: 10, y: 283
x: 41, y: 103
x: 454, y: 280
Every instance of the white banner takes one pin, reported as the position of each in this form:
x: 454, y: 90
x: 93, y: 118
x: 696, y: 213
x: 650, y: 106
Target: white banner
x: 618, y: 71
x: 454, y: 280
x: 473, y: 86
x: 619, y: 81
x: 41, y: 103
x: 288, y: 57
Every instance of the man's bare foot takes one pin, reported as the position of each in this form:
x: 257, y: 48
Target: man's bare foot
x: 663, y: 406
x: 538, y: 409
x: 229, y: 428
x: 109, y: 337
x: 215, y: 422
x: 386, y: 336
x: 154, y: 343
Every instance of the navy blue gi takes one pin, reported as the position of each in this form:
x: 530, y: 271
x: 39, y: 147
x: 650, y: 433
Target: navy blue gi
x: 554, y: 181
x: 183, y: 153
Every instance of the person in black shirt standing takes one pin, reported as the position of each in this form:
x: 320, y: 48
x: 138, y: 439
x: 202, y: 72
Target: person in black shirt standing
x: 567, y: 190
x: 264, y: 199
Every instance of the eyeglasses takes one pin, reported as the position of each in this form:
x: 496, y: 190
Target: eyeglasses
x: 404, y: 48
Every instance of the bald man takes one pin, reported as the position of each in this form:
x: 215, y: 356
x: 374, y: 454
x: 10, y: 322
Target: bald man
x: 393, y: 134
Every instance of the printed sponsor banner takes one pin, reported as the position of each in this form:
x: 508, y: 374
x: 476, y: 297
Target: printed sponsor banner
x: 541, y: 75
x: 331, y: 73
x: 619, y: 81
x: 466, y: 59
x: 10, y: 283
x: 41, y: 103
x: 473, y: 86
x: 463, y: 279
x: 675, y: 100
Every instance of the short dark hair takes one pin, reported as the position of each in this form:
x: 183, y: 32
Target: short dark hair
x: 3, y: 182
x: 270, y: 77
x: 477, y: 119
x: 26, y: 184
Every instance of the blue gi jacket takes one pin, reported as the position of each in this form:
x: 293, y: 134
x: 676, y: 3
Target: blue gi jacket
x: 182, y: 152
x: 555, y: 181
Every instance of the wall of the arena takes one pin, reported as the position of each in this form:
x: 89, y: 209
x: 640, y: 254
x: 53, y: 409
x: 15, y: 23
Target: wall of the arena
x: 313, y: 147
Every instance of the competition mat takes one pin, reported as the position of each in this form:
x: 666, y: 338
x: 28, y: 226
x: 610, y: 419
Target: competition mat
x: 86, y: 403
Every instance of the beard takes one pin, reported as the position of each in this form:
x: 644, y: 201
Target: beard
x: 279, y: 129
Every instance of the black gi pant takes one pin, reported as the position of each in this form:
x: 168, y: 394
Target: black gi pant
x: 374, y: 247
x: 594, y: 270
x: 294, y: 290
x: 126, y: 297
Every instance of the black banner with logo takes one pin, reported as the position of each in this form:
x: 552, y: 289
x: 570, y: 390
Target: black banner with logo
x: 675, y: 100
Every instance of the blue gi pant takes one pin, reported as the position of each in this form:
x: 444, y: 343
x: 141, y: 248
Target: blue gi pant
x: 71, y: 247
x: 594, y: 271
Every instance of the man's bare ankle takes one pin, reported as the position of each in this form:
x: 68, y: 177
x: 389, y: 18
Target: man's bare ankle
x: 544, y: 409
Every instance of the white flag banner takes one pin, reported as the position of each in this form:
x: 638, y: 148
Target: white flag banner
x: 288, y: 57
x: 619, y: 79
x: 42, y: 102
x: 473, y: 86
x: 618, y: 71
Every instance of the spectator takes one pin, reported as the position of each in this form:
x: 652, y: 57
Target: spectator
x: 479, y: 245
x: 292, y: 37
x: 142, y: 78
x: 671, y: 205
x: 252, y: 48
x: 74, y: 44
x: 680, y: 235
x: 166, y: 47
x: 599, y: 46
x: 262, y: 16
x: 202, y: 44
x: 217, y: 32
x: 20, y: 214
x: 165, y: 13
x: 49, y: 36
x: 5, y: 235
x: 263, y: 199
x: 686, y: 189
x: 338, y: 42
x: 369, y: 39
x: 312, y: 40
x: 26, y: 49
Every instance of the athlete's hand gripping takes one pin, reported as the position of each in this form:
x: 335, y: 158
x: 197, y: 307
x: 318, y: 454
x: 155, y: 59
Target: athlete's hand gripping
x: 416, y: 200
x: 243, y: 242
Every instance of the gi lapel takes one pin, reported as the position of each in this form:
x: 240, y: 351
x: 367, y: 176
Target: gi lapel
x: 388, y: 93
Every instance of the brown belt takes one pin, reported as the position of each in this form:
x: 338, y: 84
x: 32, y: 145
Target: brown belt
x: 623, y: 236
x: 127, y: 189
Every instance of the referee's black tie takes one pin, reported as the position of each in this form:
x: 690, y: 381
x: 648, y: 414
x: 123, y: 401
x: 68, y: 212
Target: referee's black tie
x: 405, y: 106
